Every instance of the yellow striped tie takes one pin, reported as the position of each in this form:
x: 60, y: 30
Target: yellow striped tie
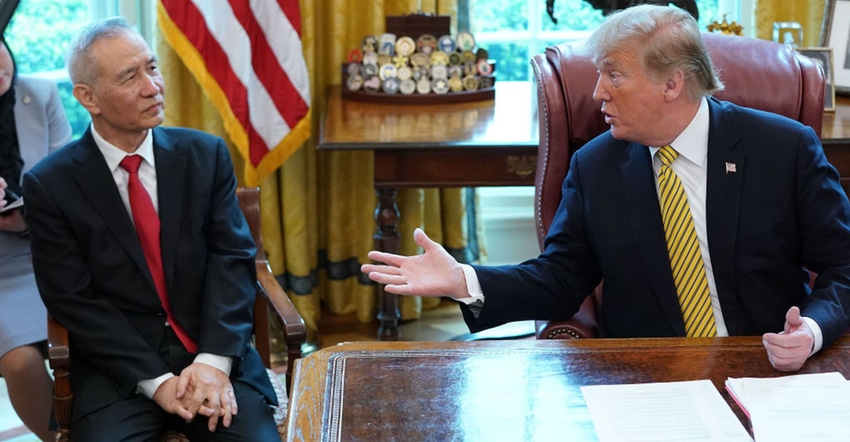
x: 683, y: 247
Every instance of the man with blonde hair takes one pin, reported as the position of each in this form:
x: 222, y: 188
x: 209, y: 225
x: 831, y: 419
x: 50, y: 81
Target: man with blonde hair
x: 701, y: 216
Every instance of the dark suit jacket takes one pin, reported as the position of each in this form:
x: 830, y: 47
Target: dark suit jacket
x: 94, y: 278
x: 781, y: 210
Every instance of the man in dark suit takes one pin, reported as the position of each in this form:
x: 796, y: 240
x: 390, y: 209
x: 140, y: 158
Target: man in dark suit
x: 160, y: 338
x: 764, y: 205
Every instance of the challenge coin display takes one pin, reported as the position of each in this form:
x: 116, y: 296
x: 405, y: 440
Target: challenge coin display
x: 422, y: 68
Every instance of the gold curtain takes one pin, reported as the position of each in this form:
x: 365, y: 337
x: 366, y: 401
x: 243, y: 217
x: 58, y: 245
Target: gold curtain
x: 809, y: 13
x: 318, y: 209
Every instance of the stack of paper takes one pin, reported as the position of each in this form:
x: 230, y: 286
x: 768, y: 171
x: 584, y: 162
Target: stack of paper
x: 795, y: 408
x: 666, y: 411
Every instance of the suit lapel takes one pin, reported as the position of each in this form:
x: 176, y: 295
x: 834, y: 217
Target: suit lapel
x: 170, y: 177
x: 98, y: 186
x: 647, y: 230
x: 726, y: 169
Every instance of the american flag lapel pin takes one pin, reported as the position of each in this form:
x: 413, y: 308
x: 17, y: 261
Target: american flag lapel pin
x: 730, y: 168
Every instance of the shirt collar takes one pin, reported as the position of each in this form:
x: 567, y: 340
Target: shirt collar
x: 114, y: 155
x: 692, y: 143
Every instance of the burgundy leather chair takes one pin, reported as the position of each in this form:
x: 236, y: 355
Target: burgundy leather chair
x: 757, y: 73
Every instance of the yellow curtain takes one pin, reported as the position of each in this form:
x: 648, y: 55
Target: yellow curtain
x: 809, y: 13
x: 318, y: 209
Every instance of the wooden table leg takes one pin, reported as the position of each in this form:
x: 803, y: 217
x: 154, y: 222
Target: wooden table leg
x: 387, y: 239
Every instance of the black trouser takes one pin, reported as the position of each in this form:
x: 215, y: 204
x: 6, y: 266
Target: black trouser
x: 141, y: 419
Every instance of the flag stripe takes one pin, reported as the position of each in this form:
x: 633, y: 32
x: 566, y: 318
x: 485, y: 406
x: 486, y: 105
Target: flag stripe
x: 259, y: 108
x: 250, y: 62
x: 274, y: 22
x: 182, y: 12
x: 293, y: 14
x: 268, y: 70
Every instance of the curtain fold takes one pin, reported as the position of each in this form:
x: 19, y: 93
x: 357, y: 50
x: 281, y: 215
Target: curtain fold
x: 809, y: 13
x: 318, y: 208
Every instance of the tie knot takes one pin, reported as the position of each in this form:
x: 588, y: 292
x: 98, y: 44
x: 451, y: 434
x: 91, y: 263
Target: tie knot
x: 131, y: 163
x: 668, y: 155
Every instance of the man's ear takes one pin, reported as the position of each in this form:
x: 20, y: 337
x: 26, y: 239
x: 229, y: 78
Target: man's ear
x: 674, y: 86
x: 85, y: 95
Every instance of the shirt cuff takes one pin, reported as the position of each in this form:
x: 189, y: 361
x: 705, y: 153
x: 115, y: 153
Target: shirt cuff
x: 223, y: 363
x: 473, y: 286
x: 817, y: 332
x: 148, y: 387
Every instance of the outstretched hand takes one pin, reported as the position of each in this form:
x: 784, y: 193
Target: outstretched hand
x: 789, y: 350
x: 433, y: 273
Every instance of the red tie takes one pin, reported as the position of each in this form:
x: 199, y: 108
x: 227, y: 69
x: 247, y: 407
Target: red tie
x: 147, y: 227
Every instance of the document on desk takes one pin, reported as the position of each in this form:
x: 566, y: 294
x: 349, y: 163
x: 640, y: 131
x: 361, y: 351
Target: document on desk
x: 795, y: 407
x: 690, y: 411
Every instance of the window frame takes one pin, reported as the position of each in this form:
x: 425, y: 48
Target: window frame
x: 535, y: 38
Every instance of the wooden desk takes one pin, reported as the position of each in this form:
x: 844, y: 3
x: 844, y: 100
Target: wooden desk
x: 503, y: 390
x: 483, y: 143
x: 835, y: 135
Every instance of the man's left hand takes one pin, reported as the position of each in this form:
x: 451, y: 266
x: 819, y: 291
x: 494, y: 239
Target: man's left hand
x: 208, y: 390
x: 790, y: 349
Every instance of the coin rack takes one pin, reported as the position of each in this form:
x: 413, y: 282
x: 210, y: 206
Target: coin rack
x: 418, y: 61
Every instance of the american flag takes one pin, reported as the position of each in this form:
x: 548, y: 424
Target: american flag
x: 247, y: 57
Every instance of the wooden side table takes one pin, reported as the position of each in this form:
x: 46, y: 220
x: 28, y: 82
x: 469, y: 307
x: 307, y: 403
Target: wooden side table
x: 479, y: 143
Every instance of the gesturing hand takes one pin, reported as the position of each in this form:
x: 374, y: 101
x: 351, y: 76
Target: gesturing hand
x: 789, y: 350
x: 207, y: 391
x: 434, y: 273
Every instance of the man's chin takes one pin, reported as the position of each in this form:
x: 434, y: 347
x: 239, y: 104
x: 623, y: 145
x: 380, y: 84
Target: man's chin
x: 154, y: 122
x: 617, y: 133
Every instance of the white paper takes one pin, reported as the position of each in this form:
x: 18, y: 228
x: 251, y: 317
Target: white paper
x: 690, y: 411
x: 14, y: 205
x: 797, y: 407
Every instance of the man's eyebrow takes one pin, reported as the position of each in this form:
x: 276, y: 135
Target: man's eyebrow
x: 123, y: 74
x: 153, y: 59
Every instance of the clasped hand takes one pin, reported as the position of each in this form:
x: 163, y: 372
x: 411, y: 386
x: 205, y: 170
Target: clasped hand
x: 199, y: 390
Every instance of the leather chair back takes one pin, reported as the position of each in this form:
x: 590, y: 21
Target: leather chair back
x: 757, y: 73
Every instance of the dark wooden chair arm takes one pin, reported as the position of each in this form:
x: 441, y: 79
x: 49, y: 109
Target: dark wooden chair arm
x: 292, y: 325
x: 282, y: 308
x: 59, y: 357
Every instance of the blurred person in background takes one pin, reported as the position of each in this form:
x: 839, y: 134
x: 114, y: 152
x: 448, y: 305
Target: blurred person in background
x: 32, y: 124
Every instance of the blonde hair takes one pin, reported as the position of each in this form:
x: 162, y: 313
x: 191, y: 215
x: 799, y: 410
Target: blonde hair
x: 671, y: 42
